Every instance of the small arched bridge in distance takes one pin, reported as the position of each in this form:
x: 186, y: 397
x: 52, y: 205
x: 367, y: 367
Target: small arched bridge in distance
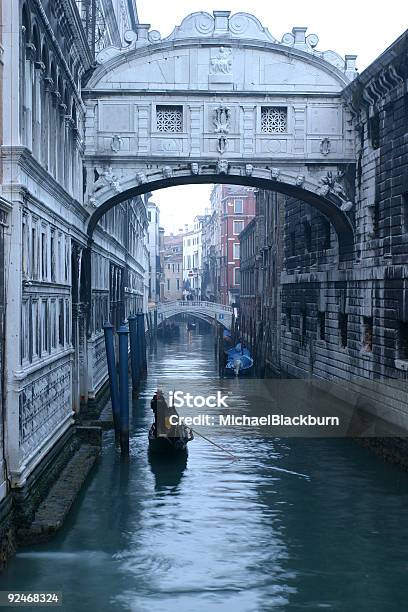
x: 208, y: 311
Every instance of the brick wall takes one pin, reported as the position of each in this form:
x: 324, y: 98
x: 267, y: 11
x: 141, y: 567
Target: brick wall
x: 350, y: 322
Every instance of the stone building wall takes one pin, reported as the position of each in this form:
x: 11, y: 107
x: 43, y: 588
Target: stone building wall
x: 53, y: 355
x: 349, y: 322
x: 261, y: 267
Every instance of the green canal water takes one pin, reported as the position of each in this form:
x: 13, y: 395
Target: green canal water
x: 295, y: 524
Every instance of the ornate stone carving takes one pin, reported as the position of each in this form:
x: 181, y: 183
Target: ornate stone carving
x: 154, y: 36
x: 222, y: 119
x: 298, y: 39
x: 325, y: 146
x: 222, y: 64
x: 141, y: 178
x: 222, y: 166
x: 44, y: 404
x: 249, y: 169
x: 195, y: 168
x: 112, y: 180
x: 222, y: 145
x: 106, y: 178
x: 300, y: 179
x: 382, y: 85
x: 346, y: 206
x: 244, y: 24
x: 332, y: 183
x: 275, y: 174
x: 116, y: 143
x: 167, y: 172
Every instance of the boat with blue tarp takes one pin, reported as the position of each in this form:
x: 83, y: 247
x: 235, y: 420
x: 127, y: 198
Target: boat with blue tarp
x: 239, y: 360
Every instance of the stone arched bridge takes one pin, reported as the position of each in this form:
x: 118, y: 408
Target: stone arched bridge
x: 208, y: 311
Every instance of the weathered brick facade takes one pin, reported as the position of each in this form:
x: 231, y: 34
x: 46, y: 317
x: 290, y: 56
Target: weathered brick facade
x: 348, y: 320
x: 261, y: 266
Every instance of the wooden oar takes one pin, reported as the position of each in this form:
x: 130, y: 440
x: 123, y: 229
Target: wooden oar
x: 215, y: 444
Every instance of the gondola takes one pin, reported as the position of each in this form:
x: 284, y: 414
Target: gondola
x: 165, y: 438
x: 165, y: 444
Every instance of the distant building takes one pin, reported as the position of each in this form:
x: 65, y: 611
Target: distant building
x: 232, y: 208
x: 192, y: 260
x: 211, y: 252
x: 249, y: 251
x: 160, y: 264
x: 173, y: 267
x: 261, y: 267
x: 153, y: 216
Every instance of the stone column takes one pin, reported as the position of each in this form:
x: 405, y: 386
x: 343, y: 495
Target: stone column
x: 55, y: 140
x: 28, y: 95
x: 47, y: 127
x: 37, y: 107
x: 11, y: 73
x: 13, y: 265
x: 68, y: 154
x: 61, y: 146
x: 76, y: 254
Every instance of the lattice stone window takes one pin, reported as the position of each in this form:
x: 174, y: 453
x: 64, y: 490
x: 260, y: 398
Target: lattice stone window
x: 169, y: 118
x: 274, y: 119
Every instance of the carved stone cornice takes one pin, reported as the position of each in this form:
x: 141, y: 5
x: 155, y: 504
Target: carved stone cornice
x: 23, y: 157
x: 76, y: 26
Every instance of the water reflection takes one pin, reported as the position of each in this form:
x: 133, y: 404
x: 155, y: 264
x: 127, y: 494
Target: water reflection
x: 168, y: 471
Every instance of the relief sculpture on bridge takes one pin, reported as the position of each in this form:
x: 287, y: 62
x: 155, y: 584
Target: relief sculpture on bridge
x: 222, y: 64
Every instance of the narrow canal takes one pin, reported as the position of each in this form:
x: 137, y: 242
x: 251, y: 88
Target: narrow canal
x: 295, y: 524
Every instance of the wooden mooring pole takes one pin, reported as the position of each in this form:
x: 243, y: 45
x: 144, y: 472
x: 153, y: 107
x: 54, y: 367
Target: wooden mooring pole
x: 113, y: 378
x: 123, y: 333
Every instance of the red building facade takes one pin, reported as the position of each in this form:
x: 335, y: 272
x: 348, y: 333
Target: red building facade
x: 237, y: 210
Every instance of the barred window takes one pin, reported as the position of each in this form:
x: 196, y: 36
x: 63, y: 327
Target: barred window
x: 274, y: 119
x: 169, y: 118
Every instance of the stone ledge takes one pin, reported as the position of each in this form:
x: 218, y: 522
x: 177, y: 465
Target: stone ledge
x: 53, y: 510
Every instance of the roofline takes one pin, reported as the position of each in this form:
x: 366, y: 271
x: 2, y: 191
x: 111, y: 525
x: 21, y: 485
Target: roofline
x: 395, y: 50
x: 166, y: 45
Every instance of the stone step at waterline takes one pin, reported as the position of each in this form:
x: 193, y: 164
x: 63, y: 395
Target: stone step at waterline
x: 53, y: 510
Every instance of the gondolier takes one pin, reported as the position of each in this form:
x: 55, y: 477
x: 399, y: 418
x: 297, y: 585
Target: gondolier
x: 163, y: 436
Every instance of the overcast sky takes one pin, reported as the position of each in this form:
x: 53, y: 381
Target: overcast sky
x: 363, y: 27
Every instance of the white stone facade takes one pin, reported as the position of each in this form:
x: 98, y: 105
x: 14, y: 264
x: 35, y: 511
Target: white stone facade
x: 193, y: 260
x: 153, y: 214
x: 57, y: 289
